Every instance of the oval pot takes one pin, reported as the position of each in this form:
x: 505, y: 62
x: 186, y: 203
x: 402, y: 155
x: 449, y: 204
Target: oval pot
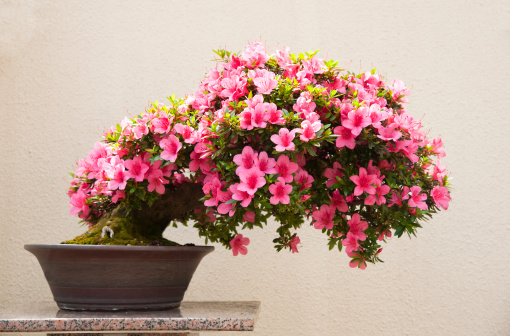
x: 100, y: 277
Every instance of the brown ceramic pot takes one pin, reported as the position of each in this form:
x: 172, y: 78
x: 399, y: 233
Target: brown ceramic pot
x: 99, y: 277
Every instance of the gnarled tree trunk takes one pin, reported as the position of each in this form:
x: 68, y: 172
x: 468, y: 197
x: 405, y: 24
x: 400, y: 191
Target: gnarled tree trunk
x: 144, y: 226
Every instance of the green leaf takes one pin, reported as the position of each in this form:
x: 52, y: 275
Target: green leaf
x: 399, y: 231
x: 331, y: 244
x: 311, y: 151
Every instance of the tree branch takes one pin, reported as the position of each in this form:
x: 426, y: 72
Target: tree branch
x: 172, y: 205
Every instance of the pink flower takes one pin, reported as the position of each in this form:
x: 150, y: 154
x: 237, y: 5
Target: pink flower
x: 233, y: 87
x: 363, y: 182
x: 417, y: 199
x: 171, y: 146
x: 251, y: 180
x: 217, y: 195
x: 300, y: 159
x: 399, y: 89
x: 376, y: 115
x: 441, y: 196
x: 254, y: 101
x: 404, y: 121
x: 378, y: 196
x: 239, y: 244
x: 259, y: 116
x: 358, y: 260
x: 313, y: 117
x: 246, y: 159
x: 389, y: 133
x: 239, y: 195
x: 338, y: 201
x: 383, y: 235
x: 345, y: 139
x: 304, y: 104
x: 136, y: 168
x: 405, y: 193
x: 140, y: 129
x: 293, y: 244
x: 160, y: 125
x: 245, y: 121
x: 118, y: 177
x: 324, y: 217
x: 235, y: 62
x: 156, y: 182
x: 280, y: 192
x: 188, y: 133
x: 439, y: 172
x: 337, y: 84
x: 255, y: 55
x: 249, y: 216
x: 303, y: 199
x: 308, y: 130
x: 266, y: 83
x: 265, y: 163
x: 283, y: 140
x: 283, y: 57
x: 303, y: 178
x: 371, y: 169
x: 154, y: 168
x: 350, y: 242
x: 395, y: 199
x: 357, y: 120
x: 78, y: 203
x: 409, y: 149
x: 225, y: 208
x: 118, y: 195
x: 313, y: 65
x: 357, y: 227
x: 437, y: 145
x: 333, y: 173
x: 286, y: 168
x: 168, y: 170
x: 275, y: 116
x: 178, y: 178
x: 198, y: 162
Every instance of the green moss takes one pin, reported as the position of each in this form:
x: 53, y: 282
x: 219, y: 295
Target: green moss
x: 122, y: 235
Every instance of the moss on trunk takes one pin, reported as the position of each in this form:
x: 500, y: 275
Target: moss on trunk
x: 122, y: 235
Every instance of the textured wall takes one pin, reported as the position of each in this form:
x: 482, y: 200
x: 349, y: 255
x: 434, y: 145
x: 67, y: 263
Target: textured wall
x: 71, y: 69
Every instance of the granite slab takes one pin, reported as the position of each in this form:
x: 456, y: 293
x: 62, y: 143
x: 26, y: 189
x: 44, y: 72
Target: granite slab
x: 190, y: 316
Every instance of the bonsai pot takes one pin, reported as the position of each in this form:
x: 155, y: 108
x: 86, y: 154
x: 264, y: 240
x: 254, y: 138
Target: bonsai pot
x: 108, y: 277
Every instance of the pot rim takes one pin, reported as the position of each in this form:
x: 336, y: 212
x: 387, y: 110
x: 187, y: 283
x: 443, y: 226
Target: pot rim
x: 119, y: 247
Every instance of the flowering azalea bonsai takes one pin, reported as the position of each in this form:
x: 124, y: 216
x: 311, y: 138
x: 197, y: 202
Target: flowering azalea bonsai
x: 286, y: 136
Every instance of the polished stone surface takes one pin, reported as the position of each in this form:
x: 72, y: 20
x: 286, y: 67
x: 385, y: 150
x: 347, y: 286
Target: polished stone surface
x: 190, y: 316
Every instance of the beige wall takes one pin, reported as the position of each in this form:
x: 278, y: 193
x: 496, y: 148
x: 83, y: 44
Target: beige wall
x: 71, y: 69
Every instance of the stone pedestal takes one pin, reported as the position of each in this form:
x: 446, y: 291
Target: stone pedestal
x: 189, y: 319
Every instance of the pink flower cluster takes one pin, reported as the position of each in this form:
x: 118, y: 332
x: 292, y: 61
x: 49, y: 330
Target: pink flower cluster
x: 252, y: 169
x: 109, y: 168
x: 281, y: 135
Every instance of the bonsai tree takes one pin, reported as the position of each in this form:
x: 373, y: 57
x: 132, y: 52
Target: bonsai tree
x: 286, y: 136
